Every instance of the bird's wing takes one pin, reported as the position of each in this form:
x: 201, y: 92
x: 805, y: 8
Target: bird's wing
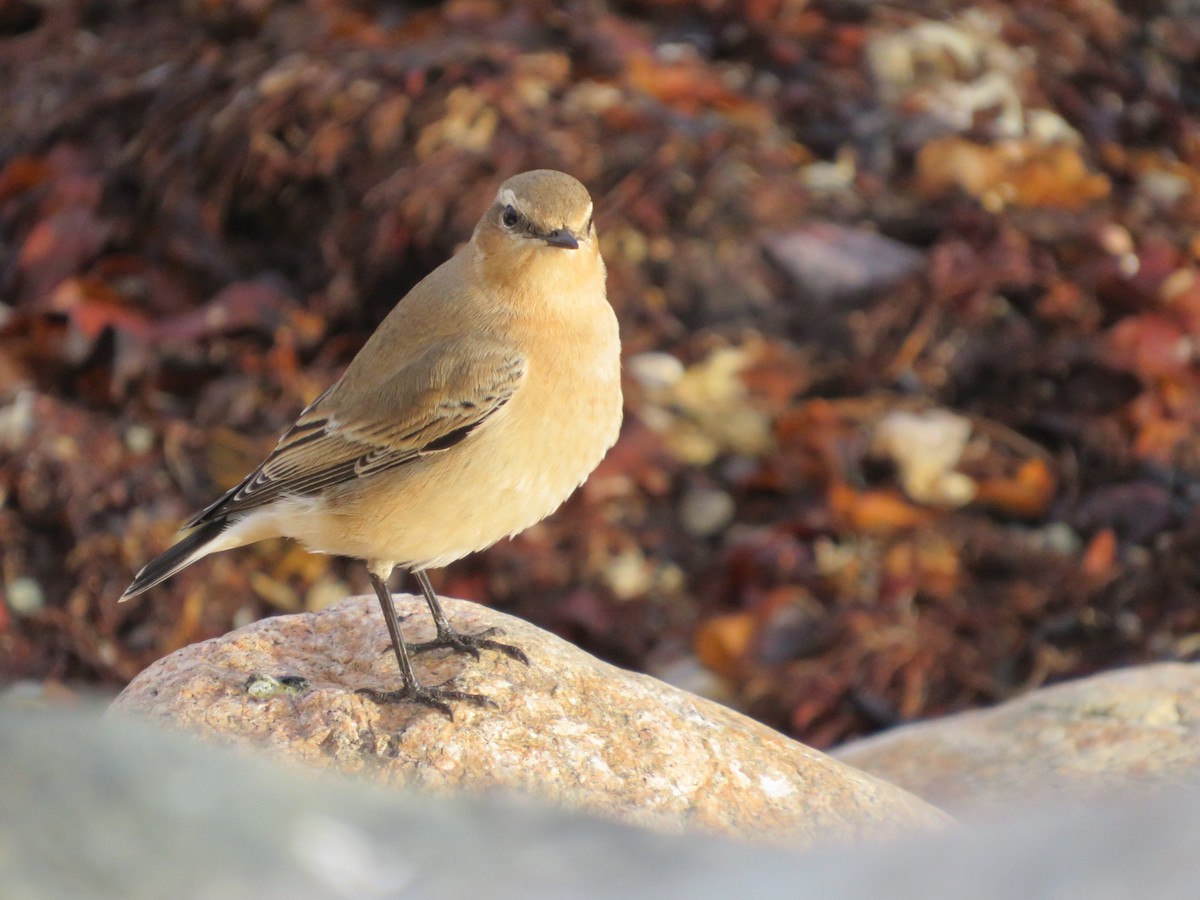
x: 432, y: 403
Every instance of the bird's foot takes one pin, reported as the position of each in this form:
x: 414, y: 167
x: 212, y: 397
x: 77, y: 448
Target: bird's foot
x: 438, y: 697
x: 470, y: 643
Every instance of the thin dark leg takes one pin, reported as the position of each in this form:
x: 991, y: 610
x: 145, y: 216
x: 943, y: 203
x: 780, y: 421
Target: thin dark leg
x: 435, y: 697
x: 448, y: 637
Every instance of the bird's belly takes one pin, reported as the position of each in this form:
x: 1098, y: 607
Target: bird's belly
x: 497, y: 483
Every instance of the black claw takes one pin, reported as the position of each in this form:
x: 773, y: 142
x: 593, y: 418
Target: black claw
x: 471, y: 647
x: 433, y: 697
x: 470, y: 643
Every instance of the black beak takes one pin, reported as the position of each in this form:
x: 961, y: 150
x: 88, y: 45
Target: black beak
x: 561, y: 237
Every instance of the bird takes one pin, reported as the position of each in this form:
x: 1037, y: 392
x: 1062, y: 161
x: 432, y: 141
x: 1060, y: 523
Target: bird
x: 485, y: 397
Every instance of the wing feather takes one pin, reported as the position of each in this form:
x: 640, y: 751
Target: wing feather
x: 430, y: 405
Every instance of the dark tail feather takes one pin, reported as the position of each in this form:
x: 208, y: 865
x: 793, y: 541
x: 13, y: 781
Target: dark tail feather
x: 177, y: 557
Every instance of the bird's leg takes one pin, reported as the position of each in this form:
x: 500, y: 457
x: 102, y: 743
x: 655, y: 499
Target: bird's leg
x: 436, y: 697
x: 448, y: 637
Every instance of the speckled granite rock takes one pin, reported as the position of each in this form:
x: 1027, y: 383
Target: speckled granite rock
x: 568, y: 728
x: 1132, y: 730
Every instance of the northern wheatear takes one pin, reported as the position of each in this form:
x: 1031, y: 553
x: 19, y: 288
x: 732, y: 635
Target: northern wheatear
x: 482, y: 401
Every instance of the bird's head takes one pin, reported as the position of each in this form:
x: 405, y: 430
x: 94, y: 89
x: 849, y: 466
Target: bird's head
x: 540, y: 220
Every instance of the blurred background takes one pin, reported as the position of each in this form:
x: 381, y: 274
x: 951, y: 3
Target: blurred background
x: 909, y: 294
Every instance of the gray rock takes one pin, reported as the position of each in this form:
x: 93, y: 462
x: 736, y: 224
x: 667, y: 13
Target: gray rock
x: 115, y: 809
x: 832, y: 265
x: 1131, y: 731
x: 1110, y: 850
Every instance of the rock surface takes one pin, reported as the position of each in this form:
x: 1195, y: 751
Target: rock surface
x: 1132, y: 730
x: 117, y: 810
x: 113, y: 809
x: 568, y: 729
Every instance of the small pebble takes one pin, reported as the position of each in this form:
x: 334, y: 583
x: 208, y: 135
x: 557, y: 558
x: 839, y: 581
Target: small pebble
x: 655, y: 371
x: 25, y: 596
x: 16, y: 420
x: 139, y: 439
x: 705, y: 511
x: 1115, y: 239
x: 260, y: 685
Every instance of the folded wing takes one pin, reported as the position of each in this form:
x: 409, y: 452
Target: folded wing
x: 436, y: 401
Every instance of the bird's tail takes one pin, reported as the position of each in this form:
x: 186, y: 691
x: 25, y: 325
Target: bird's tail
x: 183, y: 554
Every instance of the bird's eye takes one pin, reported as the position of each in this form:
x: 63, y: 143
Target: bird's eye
x: 510, y: 217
